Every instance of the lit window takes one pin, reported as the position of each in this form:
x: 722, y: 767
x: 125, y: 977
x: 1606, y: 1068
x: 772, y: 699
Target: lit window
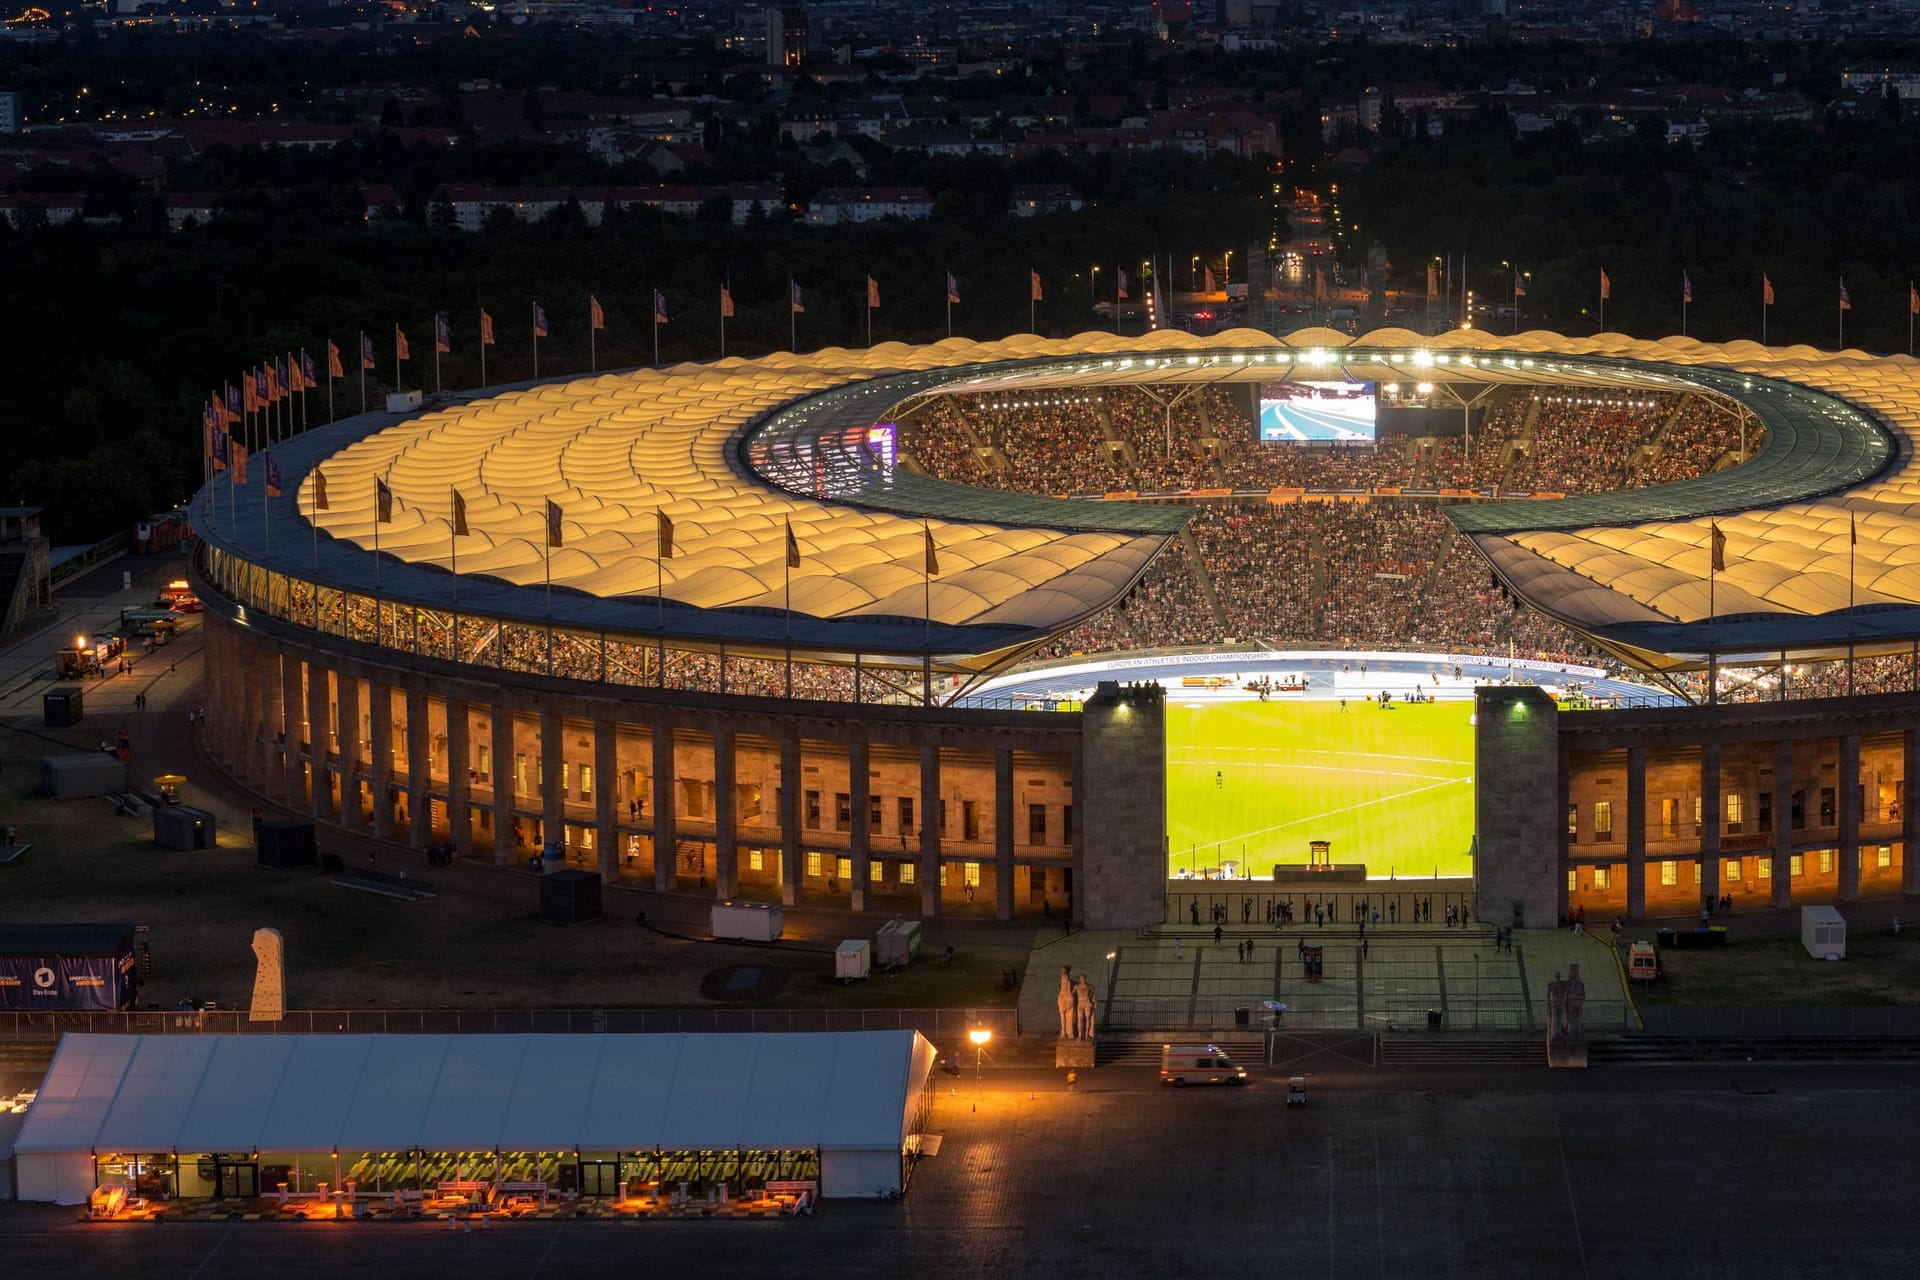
x: 1730, y: 868
x: 1763, y: 868
x: 1669, y: 873
x: 813, y: 864
x: 877, y: 871
x: 1826, y: 862
x: 1603, y: 877
x: 906, y: 873
x: 1797, y: 865
x: 1883, y: 857
x: 843, y: 867
x: 1573, y: 880
x: 971, y: 873
x: 754, y: 861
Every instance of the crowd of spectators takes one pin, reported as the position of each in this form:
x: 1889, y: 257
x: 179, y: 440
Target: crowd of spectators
x: 1385, y: 572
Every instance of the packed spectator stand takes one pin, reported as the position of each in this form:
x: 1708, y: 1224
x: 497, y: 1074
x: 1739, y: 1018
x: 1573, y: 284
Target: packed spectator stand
x: 1342, y: 546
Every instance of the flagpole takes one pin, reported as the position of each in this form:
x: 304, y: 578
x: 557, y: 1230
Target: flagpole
x: 399, y: 378
x: 363, y: 371
x: 536, y: 378
x: 376, y: 536
x: 483, y: 349
x: 656, y: 329
x: 793, y: 320
x: 436, y: 355
x: 787, y: 560
x: 593, y: 341
x: 266, y: 532
x: 313, y: 517
x: 330, y: 414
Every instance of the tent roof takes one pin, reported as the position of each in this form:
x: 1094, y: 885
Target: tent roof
x: 827, y: 1090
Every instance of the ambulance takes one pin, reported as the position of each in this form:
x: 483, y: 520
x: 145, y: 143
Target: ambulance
x: 1182, y: 1064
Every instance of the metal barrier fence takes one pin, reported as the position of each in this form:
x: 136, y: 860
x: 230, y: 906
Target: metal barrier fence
x: 935, y: 1024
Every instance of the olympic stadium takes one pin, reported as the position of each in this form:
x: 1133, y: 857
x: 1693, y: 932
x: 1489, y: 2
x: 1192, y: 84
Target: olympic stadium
x: 1057, y: 625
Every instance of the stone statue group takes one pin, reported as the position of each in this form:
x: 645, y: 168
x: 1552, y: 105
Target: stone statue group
x: 1079, y: 1007
x: 1566, y: 1006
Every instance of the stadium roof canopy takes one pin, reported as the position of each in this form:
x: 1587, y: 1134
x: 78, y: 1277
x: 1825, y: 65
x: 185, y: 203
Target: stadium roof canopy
x: 736, y: 452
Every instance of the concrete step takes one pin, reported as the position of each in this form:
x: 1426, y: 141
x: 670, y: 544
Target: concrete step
x: 1462, y: 1051
x: 1143, y: 1050
x: 1680, y: 1050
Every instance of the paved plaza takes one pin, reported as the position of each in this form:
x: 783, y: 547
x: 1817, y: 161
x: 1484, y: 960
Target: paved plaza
x: 1676, y: 1173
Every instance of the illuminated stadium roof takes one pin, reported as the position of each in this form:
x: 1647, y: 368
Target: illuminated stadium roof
x: 736, y: 450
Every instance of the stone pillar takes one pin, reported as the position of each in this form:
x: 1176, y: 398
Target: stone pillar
x: 293, y: 710
x: 1003, y: 834
x: 319, y: 741
x: 1636, y: 834
x: 1122, y: 804
x: 252, y: 757
x: 1710, y: 820
x: 1910, y: 813
x: 1783, y: 823
x: 1850, y: 817
x: 726, y: 818
x: 380, y: 747
x: 273, y: 741
x: 347, y: 694
x: 505, y: 848
x: 666, y: 859
x: 1519, y: 827
x: 553, y: 791
x: 792, y: 870
x: 929, y: 869
x: 419, y: 771
x: 606, y: 794
x: 860, y: 840
x: 459, y: 778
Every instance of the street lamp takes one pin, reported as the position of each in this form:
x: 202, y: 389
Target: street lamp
x: 1193, y: 274
x: 1093, y: 281
x: 979, y: 1036
x: 1226, y: 273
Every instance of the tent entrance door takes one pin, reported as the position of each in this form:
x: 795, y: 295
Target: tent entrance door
x: 237, y: 1180
x: 600, y: 1178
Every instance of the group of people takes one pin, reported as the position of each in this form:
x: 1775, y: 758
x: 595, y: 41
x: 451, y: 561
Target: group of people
x: 1386, y: 572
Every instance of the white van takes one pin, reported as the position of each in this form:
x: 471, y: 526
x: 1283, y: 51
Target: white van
x: 1198, y: 1064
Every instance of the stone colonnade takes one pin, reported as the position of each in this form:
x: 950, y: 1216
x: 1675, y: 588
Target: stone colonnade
x: 896, y: 809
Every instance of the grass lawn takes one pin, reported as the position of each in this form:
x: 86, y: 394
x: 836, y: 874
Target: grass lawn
x: 1879, y: 969
x: 478, y: 945
x: 1392, y: 789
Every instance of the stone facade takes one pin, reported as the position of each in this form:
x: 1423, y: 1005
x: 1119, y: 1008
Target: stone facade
x: 889, y: 808
x: 1516, y: 796
x: 1124, y: 780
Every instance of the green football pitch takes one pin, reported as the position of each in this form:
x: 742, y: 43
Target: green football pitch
x: 1253, y: 782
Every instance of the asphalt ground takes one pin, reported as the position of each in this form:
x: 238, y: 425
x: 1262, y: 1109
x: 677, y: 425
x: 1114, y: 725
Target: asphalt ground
x: 1746, y: 1172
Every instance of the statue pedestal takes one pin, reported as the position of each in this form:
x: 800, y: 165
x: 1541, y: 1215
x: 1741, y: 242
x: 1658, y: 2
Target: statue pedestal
x: 1073, y: 1053
x: 1566, y: 1053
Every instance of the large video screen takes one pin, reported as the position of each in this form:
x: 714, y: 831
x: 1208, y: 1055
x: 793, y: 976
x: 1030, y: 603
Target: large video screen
x: 1316, y: 412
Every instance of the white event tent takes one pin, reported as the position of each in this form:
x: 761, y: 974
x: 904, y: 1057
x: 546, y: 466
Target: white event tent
x: 854, y: 1097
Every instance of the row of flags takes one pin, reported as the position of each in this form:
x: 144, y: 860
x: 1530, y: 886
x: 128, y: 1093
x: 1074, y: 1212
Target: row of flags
x: 556, y: 521
x: 276, y: 379
x: 1766, y: 292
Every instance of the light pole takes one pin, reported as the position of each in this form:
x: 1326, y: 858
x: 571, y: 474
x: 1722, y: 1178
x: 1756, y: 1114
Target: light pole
x: 1193, y: 274
x: 1093, y: 285
x: 979, y: 1036
x: 1226, y: 269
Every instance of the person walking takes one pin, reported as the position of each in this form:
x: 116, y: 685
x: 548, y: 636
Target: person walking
x: 1218, y: 934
